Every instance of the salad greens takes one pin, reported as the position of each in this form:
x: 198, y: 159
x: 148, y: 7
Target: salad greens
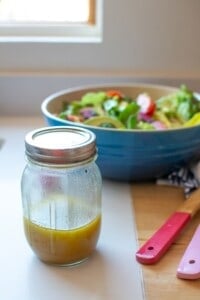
x: 113, y: 109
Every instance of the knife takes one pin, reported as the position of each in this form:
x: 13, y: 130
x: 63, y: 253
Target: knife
x: 157, y: 245
x: 189, y: 266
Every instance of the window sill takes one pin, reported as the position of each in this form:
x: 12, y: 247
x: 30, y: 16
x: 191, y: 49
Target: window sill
x: 51, y: 34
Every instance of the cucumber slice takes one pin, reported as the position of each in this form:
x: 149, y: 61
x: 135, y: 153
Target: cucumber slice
x: 107, y: 122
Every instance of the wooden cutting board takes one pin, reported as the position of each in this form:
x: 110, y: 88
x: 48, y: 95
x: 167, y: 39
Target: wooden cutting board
x: 152, y: 204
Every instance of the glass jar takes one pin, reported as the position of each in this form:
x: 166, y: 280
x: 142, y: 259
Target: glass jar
x: 61, y: 194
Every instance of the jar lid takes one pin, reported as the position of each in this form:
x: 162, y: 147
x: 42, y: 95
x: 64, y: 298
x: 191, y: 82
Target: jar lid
x: 60, y: 145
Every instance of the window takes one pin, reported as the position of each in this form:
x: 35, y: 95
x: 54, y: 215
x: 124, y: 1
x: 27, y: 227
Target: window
x: 46, y: 20
x: 13, y: 11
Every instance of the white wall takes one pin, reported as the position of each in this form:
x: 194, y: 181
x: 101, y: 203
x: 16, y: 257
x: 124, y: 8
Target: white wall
x: 156, y: 41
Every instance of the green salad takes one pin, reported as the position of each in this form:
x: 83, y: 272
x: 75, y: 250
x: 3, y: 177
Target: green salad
x: 113, y: 109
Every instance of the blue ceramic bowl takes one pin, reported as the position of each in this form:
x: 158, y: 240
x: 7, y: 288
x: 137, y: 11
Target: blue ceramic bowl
x: 132, y: 155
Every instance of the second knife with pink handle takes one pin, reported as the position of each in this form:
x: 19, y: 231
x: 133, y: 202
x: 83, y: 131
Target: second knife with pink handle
x: 189, y: 266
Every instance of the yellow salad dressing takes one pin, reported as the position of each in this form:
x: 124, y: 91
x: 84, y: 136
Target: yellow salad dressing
x: 63, y: 246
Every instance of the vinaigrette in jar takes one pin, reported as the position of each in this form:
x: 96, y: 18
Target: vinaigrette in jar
x: 63, y: 246
x: 61, y: 194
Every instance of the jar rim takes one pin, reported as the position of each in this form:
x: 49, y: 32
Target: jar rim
x: 60, y: 144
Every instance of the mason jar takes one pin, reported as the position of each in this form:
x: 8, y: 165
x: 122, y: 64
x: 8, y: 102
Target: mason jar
x: 61, y: 194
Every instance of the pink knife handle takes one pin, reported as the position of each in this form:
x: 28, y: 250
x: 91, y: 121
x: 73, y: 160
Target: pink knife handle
x: 189, y: 266
x: 162, y: 239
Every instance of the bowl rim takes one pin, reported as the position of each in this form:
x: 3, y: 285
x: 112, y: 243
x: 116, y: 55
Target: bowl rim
x: 61, y: 92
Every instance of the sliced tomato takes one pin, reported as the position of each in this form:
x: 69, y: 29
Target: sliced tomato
x: 147, y: 105
x: 114, y: 93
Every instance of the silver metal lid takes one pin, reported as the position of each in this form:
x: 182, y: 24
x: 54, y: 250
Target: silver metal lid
x: 60, y: 145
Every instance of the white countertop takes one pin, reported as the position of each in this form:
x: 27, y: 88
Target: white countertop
x: 111, y: 273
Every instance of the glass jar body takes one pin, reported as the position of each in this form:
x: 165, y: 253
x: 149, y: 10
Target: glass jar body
x: 62, y: 210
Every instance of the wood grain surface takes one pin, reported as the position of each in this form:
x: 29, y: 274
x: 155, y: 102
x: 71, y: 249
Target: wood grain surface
x: 152, y: 205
